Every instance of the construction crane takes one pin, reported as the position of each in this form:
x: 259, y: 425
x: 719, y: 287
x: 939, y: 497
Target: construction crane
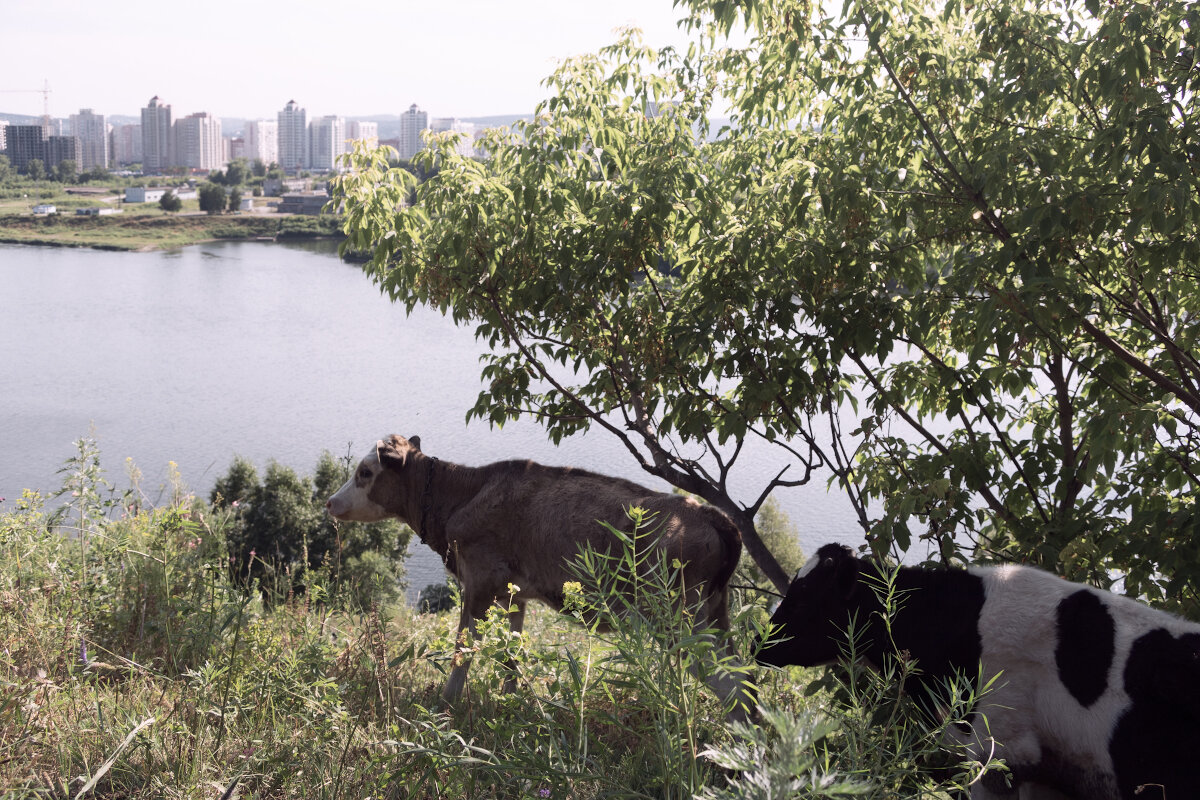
x: 45, y: 93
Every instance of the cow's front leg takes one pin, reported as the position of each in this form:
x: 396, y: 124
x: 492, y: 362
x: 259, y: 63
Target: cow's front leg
x: 472, y: 611
x: 516, y: 620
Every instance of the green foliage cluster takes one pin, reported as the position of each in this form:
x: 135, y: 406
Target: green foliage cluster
x: 237, y: 172
x: 779, y: 535
x: 170, y: 202
x: 213, y: 197
x: 300, y: 225
x: 280, y: 536
x: 66, y: 172
x: 944, y: 253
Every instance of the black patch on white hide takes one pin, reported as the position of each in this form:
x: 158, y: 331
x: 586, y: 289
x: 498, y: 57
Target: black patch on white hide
x: 1154, y: 745
x: 1084, y: 653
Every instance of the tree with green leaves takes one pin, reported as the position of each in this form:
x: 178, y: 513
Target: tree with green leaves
x: 944, y: 255
x: 235, y: 199
x: 237, y: 172
x: 212, y: 198
x: 170, y: 202
x: 35, y: 169
x: 66, y: 171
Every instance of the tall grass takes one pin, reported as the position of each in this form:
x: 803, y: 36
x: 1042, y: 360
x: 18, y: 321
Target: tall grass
x: 134, y: 664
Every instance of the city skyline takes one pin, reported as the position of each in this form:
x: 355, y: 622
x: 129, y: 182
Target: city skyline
x: 462, y: 58
x: 165, y: 141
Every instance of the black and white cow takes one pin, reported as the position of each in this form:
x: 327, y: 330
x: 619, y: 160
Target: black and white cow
x: 1098, y: 696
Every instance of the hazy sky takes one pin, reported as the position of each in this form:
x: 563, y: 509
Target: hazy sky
x: 248, y: 58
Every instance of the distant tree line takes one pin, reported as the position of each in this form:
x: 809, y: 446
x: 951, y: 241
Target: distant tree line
x: 65, y: 171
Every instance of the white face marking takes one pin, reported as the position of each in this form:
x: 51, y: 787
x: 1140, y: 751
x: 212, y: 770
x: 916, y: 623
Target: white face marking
x: 352, y: 503
x: 807, y: 568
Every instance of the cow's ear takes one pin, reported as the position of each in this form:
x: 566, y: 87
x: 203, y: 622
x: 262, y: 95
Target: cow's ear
x: 415, y: 441
x: 835, y: 567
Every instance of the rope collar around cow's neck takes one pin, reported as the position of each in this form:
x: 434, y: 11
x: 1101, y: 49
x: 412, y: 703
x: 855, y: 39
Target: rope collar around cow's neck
x: 426, y: 498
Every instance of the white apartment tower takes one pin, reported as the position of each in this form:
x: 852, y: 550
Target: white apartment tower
x: 293, y: 137
x: 412, y: 122
x: 157, y: 141
x: 262, y: 141
x: 466, y: 142
x: 92, y: 132
x: 363, y: 131
x: 327, y: 141
x: 126, y: 145
x: 198, y: 142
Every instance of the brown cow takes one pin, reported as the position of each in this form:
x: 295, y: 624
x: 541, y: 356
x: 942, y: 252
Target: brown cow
x: 520, y: 523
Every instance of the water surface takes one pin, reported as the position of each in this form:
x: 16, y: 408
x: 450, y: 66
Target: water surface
x: 267, y: 351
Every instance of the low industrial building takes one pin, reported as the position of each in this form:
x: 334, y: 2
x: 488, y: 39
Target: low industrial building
x: 275, y: 187
x: 152, y: 194
x: 312, y: 204
x: 144, y: 194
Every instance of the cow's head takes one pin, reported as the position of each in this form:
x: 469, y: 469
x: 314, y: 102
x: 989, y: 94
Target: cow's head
x: 375, y: 491
x: 810, y: 623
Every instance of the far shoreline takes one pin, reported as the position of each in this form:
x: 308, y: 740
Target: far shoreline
x: 155, y: 233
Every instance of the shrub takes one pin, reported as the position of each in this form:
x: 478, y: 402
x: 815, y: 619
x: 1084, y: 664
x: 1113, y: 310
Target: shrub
x: 282, y: 538
x: 782, y: 538
x: 437, y: 597
x: 170, y: 202
x: 212, y: 198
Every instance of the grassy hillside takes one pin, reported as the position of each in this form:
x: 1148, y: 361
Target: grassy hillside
x: 133, y: 664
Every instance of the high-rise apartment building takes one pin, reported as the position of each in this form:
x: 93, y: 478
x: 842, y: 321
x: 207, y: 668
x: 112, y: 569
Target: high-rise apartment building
x: 327, y: 141
x: 293, y: 137
x: 27, y: 143
x: 59, y: 149
x: 24, y: 143
x: 92, y: 132
x: 126, y: 145
x: 363, y: 131
x: 412, y: 122
x: 262, y: 141
x: 3, y: 125
x: 198, y: 142
x: 157, y: 139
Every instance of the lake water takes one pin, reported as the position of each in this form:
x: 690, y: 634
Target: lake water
x: 268, y: 351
